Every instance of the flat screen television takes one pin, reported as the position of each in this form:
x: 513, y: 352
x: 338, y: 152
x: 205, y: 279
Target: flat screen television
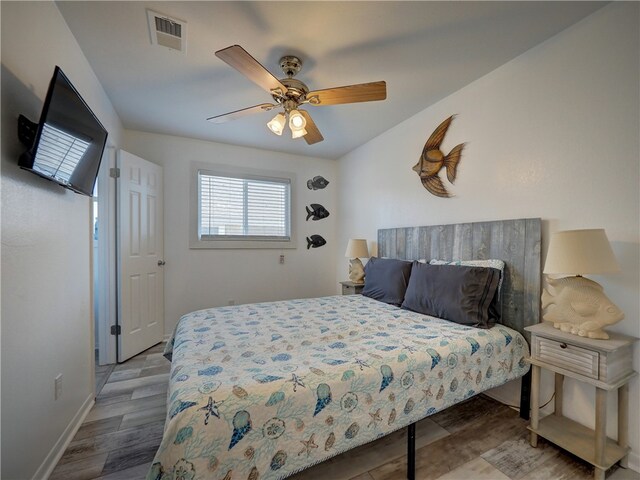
x: 69, y: 140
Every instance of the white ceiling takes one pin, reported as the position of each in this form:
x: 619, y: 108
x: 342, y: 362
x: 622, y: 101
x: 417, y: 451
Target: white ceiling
x: 424, y: 50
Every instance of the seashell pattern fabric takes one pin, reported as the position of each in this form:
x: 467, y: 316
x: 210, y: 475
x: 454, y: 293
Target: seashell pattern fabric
x: 309, y: 379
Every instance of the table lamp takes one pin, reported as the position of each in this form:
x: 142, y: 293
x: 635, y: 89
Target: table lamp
x: 576, y: 304
x: 356, y: 249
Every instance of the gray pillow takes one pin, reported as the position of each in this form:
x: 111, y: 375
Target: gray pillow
x: 495, y: 309
x: 386, y: 280
x: 456, y: 293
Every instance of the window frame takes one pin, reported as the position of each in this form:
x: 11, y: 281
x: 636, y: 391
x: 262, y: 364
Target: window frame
x: 238, y: 241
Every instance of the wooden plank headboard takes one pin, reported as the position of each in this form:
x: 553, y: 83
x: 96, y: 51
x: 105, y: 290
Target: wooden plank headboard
x: 516, y: 242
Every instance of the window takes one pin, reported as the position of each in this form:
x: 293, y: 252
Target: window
x: 238, y: 208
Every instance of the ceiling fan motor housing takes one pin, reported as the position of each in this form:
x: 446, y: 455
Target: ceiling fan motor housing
x: 296, y: 91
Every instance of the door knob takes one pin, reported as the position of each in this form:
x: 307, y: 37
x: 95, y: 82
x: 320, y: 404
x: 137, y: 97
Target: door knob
x: 161, y: 263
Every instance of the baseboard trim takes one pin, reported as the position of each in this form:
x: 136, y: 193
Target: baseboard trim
x: 50, y: 462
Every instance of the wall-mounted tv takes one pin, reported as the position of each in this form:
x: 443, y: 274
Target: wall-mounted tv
x: 69, y: 140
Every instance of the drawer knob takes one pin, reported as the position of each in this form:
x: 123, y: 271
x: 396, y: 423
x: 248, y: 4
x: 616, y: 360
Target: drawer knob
x: 563, y: 345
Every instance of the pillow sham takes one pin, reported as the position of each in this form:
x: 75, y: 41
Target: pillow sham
x: 495, y: 309
x: 491, y: 263
x: 386, y: 280
x: 460, y: 294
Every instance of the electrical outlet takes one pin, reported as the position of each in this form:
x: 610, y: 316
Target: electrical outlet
x: 58, y: 386
x: 281, y: 259
x: 232, y: 302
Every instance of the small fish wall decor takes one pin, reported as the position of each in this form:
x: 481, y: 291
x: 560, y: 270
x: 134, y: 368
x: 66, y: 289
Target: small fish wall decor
x: 317, y: 183
x: 315, y: 241
x: 315, y: 211
x: 433, y: 160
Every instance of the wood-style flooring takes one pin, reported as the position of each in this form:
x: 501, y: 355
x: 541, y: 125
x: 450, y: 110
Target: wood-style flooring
x: 478, y: 439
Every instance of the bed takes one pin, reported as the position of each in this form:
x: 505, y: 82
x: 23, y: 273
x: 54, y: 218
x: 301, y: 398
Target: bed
x: 266, y: 390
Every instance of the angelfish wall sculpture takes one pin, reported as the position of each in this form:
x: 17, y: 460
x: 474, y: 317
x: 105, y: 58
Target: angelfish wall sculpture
x: 433, y: 160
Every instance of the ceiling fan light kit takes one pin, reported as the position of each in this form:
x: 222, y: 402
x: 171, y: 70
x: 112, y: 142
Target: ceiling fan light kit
x: 276, y: 125
x: 296, y: 120
x: 298, y: 133
x: 290, y: 93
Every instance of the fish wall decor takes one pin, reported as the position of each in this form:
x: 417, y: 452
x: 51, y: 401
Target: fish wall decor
x: 433, y: 160
x: 315, y: 241
x: 315, y: 211
x: 317, y: 183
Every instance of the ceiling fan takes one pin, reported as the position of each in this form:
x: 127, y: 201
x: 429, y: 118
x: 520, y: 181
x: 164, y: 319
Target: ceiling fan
x: 290, y: 93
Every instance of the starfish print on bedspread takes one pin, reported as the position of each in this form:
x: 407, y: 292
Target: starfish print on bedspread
x: 361, y: 363
x: 411, y: 349
x: 375, y: 418
x: 508, y: 366
x: 309, y: 445
x: 297, y: 382
x: 211, y: 408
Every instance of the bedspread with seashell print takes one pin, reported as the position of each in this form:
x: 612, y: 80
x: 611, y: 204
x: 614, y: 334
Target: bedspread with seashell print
x: 261, y: 391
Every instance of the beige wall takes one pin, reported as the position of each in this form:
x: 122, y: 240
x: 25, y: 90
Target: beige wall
x: 196, y: 278
x: 46, y: 312
x: 551, y: 134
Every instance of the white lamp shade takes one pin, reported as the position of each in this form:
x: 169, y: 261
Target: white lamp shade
x: 579, y: 252
x: 298, y: 133
x: 296, y: 120
x: 357, y: 248
x: 276, y: 125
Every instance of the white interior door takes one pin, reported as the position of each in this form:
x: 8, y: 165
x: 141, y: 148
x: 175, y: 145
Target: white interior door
x: 140, y: 255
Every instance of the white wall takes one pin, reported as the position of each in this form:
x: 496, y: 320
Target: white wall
x: 551, y: 134
x: 196, y: 278
x: 46, y: 311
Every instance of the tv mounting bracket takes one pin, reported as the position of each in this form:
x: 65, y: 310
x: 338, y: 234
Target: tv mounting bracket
x: 27, y: 131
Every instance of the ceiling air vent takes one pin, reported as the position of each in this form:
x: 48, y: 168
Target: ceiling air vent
x: 167, y: 32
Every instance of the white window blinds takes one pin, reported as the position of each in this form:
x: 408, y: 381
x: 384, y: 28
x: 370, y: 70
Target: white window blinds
x: 243, y: 208
x: 58, y: 153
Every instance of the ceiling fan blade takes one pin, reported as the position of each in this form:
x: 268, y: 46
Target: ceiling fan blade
x: 313, y: 134
x: 239, y: 58
x: 226, y: 117
x: 362, y: 92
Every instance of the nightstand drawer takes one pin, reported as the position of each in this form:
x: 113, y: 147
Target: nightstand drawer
x: 350, y: 288
x: 577, y: 359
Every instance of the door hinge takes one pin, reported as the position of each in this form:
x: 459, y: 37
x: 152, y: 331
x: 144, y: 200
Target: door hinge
x: 116, y: 330
x: 114, y: 172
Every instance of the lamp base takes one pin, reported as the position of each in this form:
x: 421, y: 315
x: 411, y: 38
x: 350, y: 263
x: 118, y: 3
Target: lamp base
x: 356, y: 271
x: 579, y: 306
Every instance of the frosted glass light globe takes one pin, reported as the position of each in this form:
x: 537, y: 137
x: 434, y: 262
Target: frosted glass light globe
x: 296, y: 120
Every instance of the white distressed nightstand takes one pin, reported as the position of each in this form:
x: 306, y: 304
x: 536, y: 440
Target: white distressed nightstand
x: 605, y: 364
x: 350, y: 288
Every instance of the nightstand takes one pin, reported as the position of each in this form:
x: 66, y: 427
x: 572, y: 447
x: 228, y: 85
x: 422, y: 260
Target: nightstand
x: 350, y: 288
x: 605, y: 364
